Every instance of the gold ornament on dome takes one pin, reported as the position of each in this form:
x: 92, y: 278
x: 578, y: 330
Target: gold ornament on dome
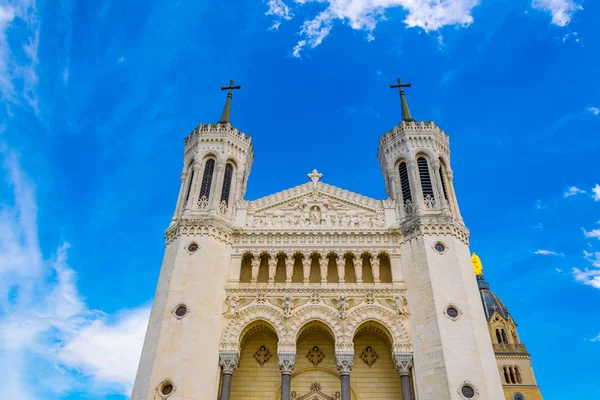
x: 369, y: 356
x: 477, y: 267
x: 262, y: 355
x: 315, y: 356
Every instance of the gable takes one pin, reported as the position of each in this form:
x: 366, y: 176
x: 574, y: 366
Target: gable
x: 315, y: 205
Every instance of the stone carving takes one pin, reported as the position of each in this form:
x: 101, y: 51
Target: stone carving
x: 401, y: 305
x: 369, y: 356
x: 315, y: 393
x: 286, y: 362
x: 228, y: 361
x: 233, y: 307
x: 262, y: 355
x: 344, y: 362
x: 403, y: 362
x: 203, y: 203
x: 315, y: 356
x: 342, y: 305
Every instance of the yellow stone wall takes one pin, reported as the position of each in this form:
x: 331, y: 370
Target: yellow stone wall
x: 530, y: 393
x: 250, y: 381
x: 305, y: 372
x: 380, y: 381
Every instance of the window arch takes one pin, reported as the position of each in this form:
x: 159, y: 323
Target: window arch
x: 498, y: 336
x: 426, y: 185
x: 227, y: 183
x: 442, y: 172
x: 404, y: 183
x: 504, y: 339
x: 518, y: 374
x: 207, y: 178
x: 189, y: 186
x: 506, y: 377
x: 512, y: 375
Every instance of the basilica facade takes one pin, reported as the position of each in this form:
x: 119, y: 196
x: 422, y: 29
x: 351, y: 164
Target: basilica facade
x: 318, y: 293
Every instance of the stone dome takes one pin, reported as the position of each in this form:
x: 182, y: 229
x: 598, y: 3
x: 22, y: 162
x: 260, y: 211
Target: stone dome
x: 491, y: 302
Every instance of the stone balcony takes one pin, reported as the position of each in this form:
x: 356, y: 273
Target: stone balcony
x: 510, y: 348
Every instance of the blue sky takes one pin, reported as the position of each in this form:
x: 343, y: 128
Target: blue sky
x: 98, y: 96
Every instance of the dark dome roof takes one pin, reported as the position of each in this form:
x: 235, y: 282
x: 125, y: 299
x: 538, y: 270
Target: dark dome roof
x: 491, y: 302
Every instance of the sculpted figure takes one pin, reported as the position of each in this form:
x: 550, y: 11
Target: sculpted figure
x: 287, y: 306
x: 342, y: 305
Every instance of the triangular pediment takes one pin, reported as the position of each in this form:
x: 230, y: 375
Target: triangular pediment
x: 316, y: 205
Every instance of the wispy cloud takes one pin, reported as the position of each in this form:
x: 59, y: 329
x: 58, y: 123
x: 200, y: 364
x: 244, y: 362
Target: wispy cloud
x: 594, y: 110
x: 65, y: 75
x: 595, y: 233
x: 596, y: 339
x: 46, y: 329
x: 364, y: 16
x: 596, y: 192
x: 280, y: 11
x: 121, y: 59
x: 19, y: 64
x: 547, y: 253
x: 573, y: 191
x: 561, y: 10
x: 589, y: 276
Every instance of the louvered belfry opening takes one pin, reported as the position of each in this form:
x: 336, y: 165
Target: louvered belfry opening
x: 443, y: 180
x: 207, y: 179
x: 227, y: 183
x: 425, y: 177
x: 189, y: 188
x: 404, y: 184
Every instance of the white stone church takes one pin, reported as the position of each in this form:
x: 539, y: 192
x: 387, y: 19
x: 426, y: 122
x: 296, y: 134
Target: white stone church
x: 318, y: 293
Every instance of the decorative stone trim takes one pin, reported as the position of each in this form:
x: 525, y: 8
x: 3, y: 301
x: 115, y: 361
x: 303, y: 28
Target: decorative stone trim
x: 436, y: 245
x: 198, y: 227
x: 369, y: 356
x: 286, y: 362
x: 191, y: 249
x: 403, y: 362
x: 174, y: 311
x: 228, y: 361
x: 468, y: 384
x: 459, y: 311
x: 344, y: 363
x: 262, y: 355
x: 315, y: 356
x: 162, y: 388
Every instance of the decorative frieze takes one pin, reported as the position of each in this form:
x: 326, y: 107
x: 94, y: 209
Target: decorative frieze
x: 228, y: 361
x: 344, y: 363
x: 286, y: 362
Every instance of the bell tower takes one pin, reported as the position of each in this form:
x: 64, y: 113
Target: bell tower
x: 181, y: 348
x: 453, y: 354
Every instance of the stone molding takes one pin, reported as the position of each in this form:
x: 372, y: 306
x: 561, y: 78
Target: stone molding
x: 381, y: 240
x: 228, y: 361
x: 344, y: 362
x: 287, y: 311
x: 403, y: 362
x: 286, y: 362
x: 198, y: 227
x: 438, y: 225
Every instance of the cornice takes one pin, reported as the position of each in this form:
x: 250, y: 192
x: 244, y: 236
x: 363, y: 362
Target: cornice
x: 427, y: 225
x: 199, y: 227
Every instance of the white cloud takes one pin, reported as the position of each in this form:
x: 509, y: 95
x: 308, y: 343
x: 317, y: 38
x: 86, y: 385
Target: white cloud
x: 547, y: 253
x: 589, y: 276
x: 429, y: 15
x: 46, y: 329
x: 562, y: 10
x: 573, y: 191
x: 65, y: 75
x: 121, y: 59
x: 594, y: 110
x: 539, y: 205
x: 596, y: 339
x: 595, y: 233
x: 596, y: 191
x: 280, y: 11
x: 16, y: 68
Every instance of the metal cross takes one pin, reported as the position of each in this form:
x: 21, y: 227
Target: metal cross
x: 230, y: 88
x: 400, y: 85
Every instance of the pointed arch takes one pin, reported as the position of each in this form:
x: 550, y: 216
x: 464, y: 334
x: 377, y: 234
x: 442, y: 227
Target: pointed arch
x: 425, y: 177
x: 207, y: 177
x: 404, y: 182
x: 226, y: 188
x: 232, y: 334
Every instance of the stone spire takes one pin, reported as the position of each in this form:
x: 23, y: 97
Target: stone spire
x: 403, y: 104
x: 226, y: 115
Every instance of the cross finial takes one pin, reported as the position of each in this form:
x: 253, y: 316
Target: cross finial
x: 315, y: 176
x: 225, y: 117
x: 403, y: 104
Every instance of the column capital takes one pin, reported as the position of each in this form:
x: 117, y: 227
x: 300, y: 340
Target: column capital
x: 403, y: 362
x: 286, y: 362
x: 229, y: 361
x: 344, y: 362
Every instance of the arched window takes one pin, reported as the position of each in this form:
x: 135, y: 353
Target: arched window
x: 506, y: 377
x: 512, y: 375
x: 404, y: 184
x: 189, y: 188
x: 518, y: 375
x: 443, y: 180
x: 426, y: 183
x: 504, y: 340
x: 514, y: 336
x: 207, y: 179
x: 227, y: 183
x: 498, y: 337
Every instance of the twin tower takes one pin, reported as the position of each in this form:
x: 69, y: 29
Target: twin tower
x: 320, y: 293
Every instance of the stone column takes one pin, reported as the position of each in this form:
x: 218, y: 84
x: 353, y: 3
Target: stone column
x: 323, y: 264
x: 375, y: 268
x: 255, y: 265
x: 286, y: 366
x: 216, y: 185
x: 192, y: 203
x: 180, y: 199
x: 439, y: 188
x: 403, y: 363
x: 289, y: 268
x: 417, y: 192
x: 272, y: 268
x: 344, y: 366
x: 229, y: 362
x: 306, y: 261
x: 358, y: 264
x: 341, y: 268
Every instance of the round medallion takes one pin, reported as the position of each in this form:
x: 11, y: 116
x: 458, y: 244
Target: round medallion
x: 452, y: 312
x: 439, y: 247
x: 193, y: 247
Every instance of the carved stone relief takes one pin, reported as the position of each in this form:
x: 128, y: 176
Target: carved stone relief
x: 262, y: 355
x: 315, y: 356
x: 369, y: 356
